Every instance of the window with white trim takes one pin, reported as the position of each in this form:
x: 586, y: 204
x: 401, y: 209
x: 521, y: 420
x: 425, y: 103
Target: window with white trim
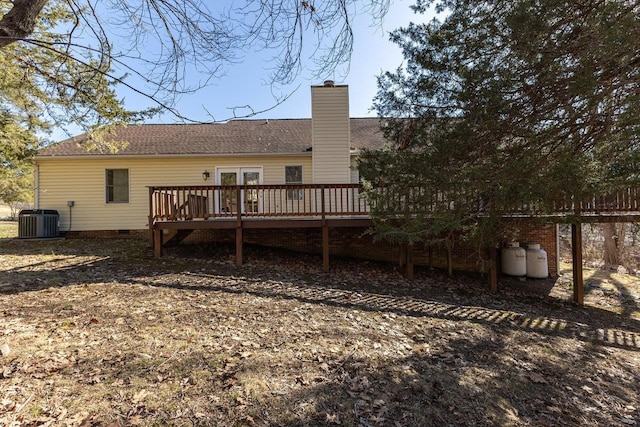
x: 117, y: 185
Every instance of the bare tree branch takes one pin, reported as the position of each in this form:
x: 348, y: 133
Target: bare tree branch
x: 75, y: 53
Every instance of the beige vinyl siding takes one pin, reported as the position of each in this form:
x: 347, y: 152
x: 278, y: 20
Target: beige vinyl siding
x: 83, y: 182
x: 331, y: 134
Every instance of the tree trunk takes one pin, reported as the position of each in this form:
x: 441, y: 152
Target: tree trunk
x: 20, y: 21
x: 613, y: 235
x: 449, y: 245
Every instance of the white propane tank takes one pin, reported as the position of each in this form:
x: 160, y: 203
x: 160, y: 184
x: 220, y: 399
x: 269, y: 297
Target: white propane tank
x: 537, y: 266
x: 514, y: 260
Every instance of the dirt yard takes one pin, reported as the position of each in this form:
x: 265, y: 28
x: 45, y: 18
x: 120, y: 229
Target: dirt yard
x: 100, y: 333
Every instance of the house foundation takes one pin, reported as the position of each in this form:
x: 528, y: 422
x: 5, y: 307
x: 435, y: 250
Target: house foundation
x: 355, y: 242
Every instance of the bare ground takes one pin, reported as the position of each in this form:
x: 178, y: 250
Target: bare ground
x: 101, y: 333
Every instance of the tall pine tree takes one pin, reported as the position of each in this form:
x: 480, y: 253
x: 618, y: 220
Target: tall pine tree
x: 505, y: 106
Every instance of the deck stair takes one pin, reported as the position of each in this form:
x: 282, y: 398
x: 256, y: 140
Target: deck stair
x: 174, y: 237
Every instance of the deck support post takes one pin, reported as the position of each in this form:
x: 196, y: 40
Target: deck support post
x: 576, y: 249
x: 150, y: 237
x: 493, y: 269
x: 239, y: 238
x: 402, y: 259
x: 157, y: 242
x: 150, y: 218
x: 325, y: 247
x: 409, y: 261
x: 325, y: 232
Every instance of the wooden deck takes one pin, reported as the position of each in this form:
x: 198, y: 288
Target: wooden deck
x: 184, y: 209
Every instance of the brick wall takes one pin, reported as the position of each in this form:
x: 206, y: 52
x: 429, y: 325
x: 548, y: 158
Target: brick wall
x: 355, y: 243
x: 543, y: 234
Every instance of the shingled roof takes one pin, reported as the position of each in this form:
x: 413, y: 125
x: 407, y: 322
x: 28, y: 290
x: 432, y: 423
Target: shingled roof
x: 280, y: 136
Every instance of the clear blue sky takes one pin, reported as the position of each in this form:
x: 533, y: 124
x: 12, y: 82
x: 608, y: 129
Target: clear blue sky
x: 244, y: 83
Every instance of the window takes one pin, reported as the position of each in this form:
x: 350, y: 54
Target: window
x: 293, y: 176
x: 117, y: 185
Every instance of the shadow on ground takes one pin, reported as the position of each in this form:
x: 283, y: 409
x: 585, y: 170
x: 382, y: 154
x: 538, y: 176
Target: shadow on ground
x: 353, y: 284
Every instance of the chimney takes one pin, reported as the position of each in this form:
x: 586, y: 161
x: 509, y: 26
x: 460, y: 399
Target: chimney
x: 331, y: 133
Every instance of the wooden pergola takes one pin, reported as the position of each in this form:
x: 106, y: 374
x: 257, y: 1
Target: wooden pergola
x: 177, y: 211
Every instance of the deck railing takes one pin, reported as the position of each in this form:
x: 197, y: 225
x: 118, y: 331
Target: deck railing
x: 621, y: 201
x: 258, y: 201
x: 174, y: 203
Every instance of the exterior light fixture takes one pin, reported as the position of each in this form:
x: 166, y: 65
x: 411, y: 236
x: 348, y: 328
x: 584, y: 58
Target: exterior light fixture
x: 205, y: 175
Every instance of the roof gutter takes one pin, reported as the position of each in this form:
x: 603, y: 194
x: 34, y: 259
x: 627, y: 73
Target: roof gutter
x: 167, y: 156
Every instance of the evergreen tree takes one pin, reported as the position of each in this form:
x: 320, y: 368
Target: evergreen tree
x: 503, y: 107
x: 42, y: 85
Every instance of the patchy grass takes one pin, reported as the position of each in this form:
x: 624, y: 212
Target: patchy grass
x: 8, y: 229
x: 614, y: 291
x: 102, y: 333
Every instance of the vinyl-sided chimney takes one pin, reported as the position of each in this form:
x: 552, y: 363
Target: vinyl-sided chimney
x: 331, y: 133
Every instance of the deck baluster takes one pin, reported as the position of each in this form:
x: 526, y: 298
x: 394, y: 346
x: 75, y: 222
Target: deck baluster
x: 192, y: 203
